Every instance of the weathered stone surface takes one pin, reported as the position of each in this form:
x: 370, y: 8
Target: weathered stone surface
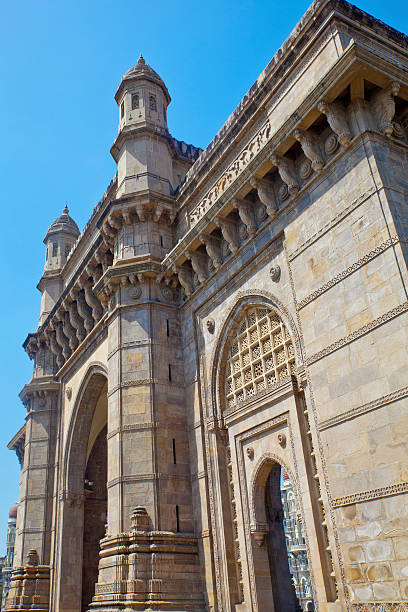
x: 223, y: 312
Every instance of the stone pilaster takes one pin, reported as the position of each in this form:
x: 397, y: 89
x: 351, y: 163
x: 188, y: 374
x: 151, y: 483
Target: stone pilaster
x: 149, y: 557
x: 30, y: 582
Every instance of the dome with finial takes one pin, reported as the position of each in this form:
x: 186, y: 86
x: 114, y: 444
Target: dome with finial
x: 143, y: 71
x: 63, y: 223
x: 13, y: 512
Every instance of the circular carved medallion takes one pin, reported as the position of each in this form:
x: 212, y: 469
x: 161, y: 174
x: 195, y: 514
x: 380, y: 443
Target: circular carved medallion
x: 305, y: 169
x: 283, y: 192
x: 332, y: 144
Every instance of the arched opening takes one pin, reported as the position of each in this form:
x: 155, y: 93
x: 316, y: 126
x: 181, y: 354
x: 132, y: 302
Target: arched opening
x: 95, y: 512
x: 84, y: 495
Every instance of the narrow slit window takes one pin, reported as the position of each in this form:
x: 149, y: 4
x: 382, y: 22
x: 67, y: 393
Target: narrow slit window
x: 122, y: 110
x: 169, y: 372
x: 167, y: 327
x: 177, y: 519
x: 174, y: 452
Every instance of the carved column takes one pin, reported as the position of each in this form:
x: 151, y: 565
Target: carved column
x: 266, y: 195
x: 286, y: 172
x: 92, y: 301
x: 149, y: 557
x: 229, y: 232
x: 61, y: 337
x: 83, y: 309
x: 75, y: 320
x: 336, y: 118
x: 310, y: 147
x: 198, y: 263
x: 246, y: 214
x: 185, y: 279
x: 383, y: 105
x: 213, y: 249
x: 69, y: 331
x: 30, y: 582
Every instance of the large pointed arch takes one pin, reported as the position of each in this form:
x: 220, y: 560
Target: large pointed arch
x: 67, y: 594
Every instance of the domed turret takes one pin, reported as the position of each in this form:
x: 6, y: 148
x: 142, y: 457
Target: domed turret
x: 13, y: 513
x: 142, y: 97
x: 59, y: 240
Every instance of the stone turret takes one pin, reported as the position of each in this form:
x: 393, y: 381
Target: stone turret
x: 59, y: 240
x: 141, y: 150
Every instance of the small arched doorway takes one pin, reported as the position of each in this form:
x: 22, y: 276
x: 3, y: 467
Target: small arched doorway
x: 286, y: 546
x: 95, y: 515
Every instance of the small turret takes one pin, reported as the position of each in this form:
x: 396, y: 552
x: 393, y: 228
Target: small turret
x: 59, y: 240
x: 141, y: 149
x: 142, y: 97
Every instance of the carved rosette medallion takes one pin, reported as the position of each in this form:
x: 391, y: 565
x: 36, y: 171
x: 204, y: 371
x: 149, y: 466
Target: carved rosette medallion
x: 331, y: 144
x: 305, y: 169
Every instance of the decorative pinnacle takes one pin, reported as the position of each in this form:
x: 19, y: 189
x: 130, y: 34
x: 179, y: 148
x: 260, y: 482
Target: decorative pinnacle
x: 66, y: 210
x: 141, y: 61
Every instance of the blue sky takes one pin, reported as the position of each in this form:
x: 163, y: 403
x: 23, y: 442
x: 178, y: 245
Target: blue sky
x: 60, y: 65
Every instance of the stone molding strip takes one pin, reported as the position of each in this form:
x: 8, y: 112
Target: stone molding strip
x: 391, y: 314
x: 383, y: 606
x: 348, y: 271
x: 364, y: 408
x: 133, y: 427
x: 145, y: 477
x: 330, y: 224
x: 356, y: 498
x: 140, y: 383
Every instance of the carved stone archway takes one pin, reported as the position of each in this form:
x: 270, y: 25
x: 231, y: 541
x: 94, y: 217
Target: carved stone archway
x: 67, y: 593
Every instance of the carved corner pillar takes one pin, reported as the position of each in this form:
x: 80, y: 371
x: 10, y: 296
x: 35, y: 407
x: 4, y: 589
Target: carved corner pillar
x: 29, y: 586
x: 30, y: 580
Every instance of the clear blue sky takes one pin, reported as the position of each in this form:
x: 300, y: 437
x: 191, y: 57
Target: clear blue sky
x: 60, y: 65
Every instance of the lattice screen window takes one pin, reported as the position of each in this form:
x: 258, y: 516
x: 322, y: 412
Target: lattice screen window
x: 259, y: 356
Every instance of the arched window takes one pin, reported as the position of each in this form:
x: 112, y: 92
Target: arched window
x: 152, y: 103
x: 260, y: 354
x: 135, y: 101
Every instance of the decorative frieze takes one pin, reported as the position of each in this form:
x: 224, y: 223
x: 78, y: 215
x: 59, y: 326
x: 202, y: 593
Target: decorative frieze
x: 391, y: 314
x: 233, y: 171
x: 363, y: 496
x: 364, y: 408
x: 347, y: 272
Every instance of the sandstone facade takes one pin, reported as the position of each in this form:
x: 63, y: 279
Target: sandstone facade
x: 222, y: 313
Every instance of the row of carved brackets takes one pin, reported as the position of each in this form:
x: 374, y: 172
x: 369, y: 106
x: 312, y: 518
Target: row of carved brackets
x: 128, y: 214
x: 79, y: 311
x: 382, y: 106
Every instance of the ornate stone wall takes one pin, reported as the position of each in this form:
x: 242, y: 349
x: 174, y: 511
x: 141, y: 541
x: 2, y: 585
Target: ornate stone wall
x: 233, y: 310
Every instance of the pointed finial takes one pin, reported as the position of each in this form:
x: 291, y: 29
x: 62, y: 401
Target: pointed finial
x: 140, y: 61
x: 66, y: 209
